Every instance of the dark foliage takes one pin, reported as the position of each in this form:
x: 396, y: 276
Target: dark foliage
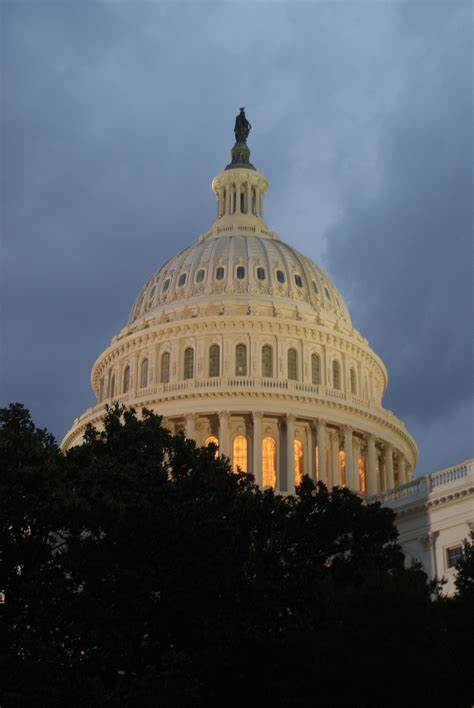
x: 140, y: 571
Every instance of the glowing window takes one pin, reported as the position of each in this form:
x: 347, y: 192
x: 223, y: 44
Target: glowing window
x: 126, y: 379
x: 292, y: 364
x: 241, y: 360
x: 298, y: 281
x: 336, y: 374
x: 240, y: 454
x: 165, y: 367
x: 298, y: 462
x: 261, y: 273
x: 362, y: 476
x: 188, y: 363
x: 342, y: 468
x: 144, y: 373
x: 220, y: 273
x: 240, y: 272
x: 267, y: 360
x: 166, y: 285
x: 280, y: 276
x: 353, y: 381
x: 182, y: 280
x: 268, y: 462
x: 214, y: 357
x: 200, y: 275
x: 212, y: 440
x: 315, y: 368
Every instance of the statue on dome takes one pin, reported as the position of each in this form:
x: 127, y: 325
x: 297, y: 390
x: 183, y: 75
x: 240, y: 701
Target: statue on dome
x: 242, y: 127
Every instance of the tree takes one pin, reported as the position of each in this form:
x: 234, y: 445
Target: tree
x: 164, y: 579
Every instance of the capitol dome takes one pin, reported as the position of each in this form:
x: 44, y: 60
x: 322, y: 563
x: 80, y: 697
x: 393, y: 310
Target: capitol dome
x: 242, y: 341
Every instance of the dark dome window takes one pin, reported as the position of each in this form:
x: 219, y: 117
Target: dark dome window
x: 315, y: 288
x: 298, y: 281
x: 261, y: 273
x: 327, y: 293
x: 152, y: 292
x: 200, y: 276
x: 181, y: 280
x: 240, y: 272
x: 280, y: 276
x: 166, y: 285
x: 219, y: 273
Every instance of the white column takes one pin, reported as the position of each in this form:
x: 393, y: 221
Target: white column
x: 257, y: 448
x: 371, y: 465
x: 402, y: 474
x: 348, y: 448
x: 290, y: 453
x: 224, y: 439
x: 191, y: 426
x: 389, y: 466
x: 336, y: 481
x: 321, y: 433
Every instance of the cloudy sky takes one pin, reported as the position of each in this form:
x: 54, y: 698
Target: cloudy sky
x: 116, y: 115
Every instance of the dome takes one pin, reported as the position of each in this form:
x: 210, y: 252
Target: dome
x: 243, y: 341
x: 241, y: 265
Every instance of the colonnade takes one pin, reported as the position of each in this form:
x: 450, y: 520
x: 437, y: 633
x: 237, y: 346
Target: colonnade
x: 334, y: 454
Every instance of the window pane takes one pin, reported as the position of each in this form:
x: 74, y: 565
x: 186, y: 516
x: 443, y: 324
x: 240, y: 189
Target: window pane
x: 292, y: 364
x: 280, y: 276
x: 362, y: 476
x: 241, y: 360
x: 240, y: 272
x: 126, y: 379
x: 268, y: 462
x: 353, y: 382
x: 165, y: 367
x: 261, y: 273
x: 240, y: 453
x: 298, y: 462
x: 200, y: 276
x: 212, y: 440
x: 189, y: 363
x: 315, y: 369
x: 182, y: 279
x: 144, y: 373
x: 342, y: 468
x: 298, y: 281
x: 214, y: 356
x: 336, y: 374
x: 166, y: 285
x: 453, y: 556
x: 219, y: 273
x: 327, y: 293
x: 315, y: 287
x: 267, y: 360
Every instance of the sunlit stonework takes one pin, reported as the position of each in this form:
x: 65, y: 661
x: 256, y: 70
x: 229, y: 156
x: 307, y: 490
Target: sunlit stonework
x: 243, y: 340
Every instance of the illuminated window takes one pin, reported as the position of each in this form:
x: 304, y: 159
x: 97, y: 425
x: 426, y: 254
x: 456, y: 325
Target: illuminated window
x: 126, y: 379
x: 188, y: 363
x: 268, y: 462
x: 298, y: 462
x: 261, y: 273
x: 240, y: 272
x: 292, y: 364
x: 353, y: 381
x: 241, y: 360
x: 182, y: 280
x: 342, y: 467
x: 298, y: 281
x: 200, y: 275
x: 267, y: 360
x: 316, y: 457
x: 165, y: 367
x: 212, y: 440
x: 240, y: 454
x: 280, y: 276
x: 214, y: 356
x: 220, y: 273
x: 166, y: 285
x: 315, y: 368
x: 144, y: 373
x: 362, y: 476
x: 336, y: 374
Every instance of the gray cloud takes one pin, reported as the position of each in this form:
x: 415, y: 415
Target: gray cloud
x: 117, y: 115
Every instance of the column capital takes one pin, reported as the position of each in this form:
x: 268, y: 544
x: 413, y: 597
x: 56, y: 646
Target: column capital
x: 348, y: 429
x: 388, y: 447
x: 370, y: 438
x: 257, y: 415
x: 321, y: 422
x: 290, y: 417
x: 224, y: 415
x: 190, y: 417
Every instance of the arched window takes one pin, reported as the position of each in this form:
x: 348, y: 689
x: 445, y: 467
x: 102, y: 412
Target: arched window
x: 336, y: 374
x: 223, y: 201
x: 268, y: 462
x: 242, y: 203
x: 254, y: 201
x: 144, y: 373
x: 126, y: 378
x: 233, y: 199
x: 165, y: 367
x: 298, y: 462
x: 280, y: 276
x: 111, y: 390
x: 342, y: 468
x: 362, y: 476
x: 241, y: 360
x: 292, y: 364
x: 315, y: 368
x: 101, y: 389
x: 214, y: 356
x: 219, y: 273
x: 240, y: 454
x: 267, y: 360
x: 353, y: 382
x: 188, y: 363
x: 212, y: 440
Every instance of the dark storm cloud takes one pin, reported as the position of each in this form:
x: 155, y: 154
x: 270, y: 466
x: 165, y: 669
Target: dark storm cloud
x: 117, y: 115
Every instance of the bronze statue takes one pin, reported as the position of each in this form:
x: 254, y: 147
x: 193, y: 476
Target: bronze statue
x: 242, y: 127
